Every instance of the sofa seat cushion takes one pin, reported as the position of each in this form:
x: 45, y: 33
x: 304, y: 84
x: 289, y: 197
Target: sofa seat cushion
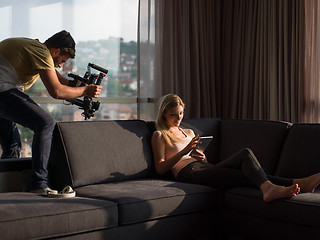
x: 142, y: 200
x: 31, y: 216
x: 303, y: 209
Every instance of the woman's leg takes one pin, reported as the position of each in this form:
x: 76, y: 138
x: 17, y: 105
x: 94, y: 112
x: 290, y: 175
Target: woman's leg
x: 281, y: 180
x: 250, y: 166
x: 247, y: 162
x: 241, y: 169
x: 210, y: 175
x: 308, y: 184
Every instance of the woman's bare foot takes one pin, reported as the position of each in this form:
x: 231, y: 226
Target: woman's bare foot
x: 308, y: 184
x: 272, y: 192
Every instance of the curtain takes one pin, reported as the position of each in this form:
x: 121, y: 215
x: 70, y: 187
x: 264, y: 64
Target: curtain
x: 190, y: 54
x: 262, y: 68
x: 311, y: 69
x: 243, y: 59
x: 232, y: 59
x: 148, y: 88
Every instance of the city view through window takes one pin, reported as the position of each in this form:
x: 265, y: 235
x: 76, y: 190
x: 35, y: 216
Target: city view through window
x: 105, y: 32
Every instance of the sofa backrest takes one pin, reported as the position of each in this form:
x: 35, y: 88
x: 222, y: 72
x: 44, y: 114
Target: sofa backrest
x: 264, y: 138
x: 90, y: 152
x: 206, y: 127
x: 300, y: 155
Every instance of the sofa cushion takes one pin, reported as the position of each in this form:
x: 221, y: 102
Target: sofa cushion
x: 86, y: 153
x: 264, y: 138
x: 142, y: 200
x: 300, y: 155
x: 303, y: 209
x: 31, y: 216
x: 206, y: 127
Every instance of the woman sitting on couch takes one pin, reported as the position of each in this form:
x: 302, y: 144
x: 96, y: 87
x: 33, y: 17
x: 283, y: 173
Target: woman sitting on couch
x: 172, y: 146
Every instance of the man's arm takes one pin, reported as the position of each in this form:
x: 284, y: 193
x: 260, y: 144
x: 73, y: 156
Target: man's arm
x: 62, y: 79
x: 60, y: 91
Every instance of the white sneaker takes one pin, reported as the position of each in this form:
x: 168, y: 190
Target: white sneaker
x: 67, y: 192
x: 46, y: 190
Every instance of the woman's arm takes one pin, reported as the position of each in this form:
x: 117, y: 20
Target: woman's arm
x: 163, y: 165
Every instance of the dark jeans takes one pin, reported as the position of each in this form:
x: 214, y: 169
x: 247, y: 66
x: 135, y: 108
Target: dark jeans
x: 17, y: 107
x: 242, y: 169
x: 9, y: 139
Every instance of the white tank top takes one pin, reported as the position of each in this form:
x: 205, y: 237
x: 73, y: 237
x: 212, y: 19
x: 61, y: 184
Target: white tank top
x: 170, y: 151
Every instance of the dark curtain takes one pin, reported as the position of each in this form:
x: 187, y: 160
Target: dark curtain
x: 311, y: 62
x: 233, y: 59
x: 191, y: 54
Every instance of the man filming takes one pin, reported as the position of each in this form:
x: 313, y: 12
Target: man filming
x: 22, y: 61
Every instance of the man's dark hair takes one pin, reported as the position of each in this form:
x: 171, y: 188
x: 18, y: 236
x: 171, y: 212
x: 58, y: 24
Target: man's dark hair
x: 64, y: 41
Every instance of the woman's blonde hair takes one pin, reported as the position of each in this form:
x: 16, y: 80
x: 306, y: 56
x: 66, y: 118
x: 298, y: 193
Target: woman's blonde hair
x: 167, y: 103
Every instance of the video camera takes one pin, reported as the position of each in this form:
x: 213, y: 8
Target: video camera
x: 87, y: 104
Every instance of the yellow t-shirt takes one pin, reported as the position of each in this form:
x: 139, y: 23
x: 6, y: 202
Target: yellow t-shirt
x: 27, y: 57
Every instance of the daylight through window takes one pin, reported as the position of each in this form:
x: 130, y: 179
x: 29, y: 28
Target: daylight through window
x: 105, y: 32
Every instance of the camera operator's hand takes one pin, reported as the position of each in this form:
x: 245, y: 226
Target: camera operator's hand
x: 92, y: 90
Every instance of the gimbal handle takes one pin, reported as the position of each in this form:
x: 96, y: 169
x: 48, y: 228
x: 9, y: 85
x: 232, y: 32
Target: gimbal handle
x: 98, y: 68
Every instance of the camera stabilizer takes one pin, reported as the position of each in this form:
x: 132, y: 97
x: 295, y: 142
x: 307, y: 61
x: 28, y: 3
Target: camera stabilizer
x: 87, y: 104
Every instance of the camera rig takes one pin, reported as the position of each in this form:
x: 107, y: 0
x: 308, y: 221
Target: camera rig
x: 87, y: 104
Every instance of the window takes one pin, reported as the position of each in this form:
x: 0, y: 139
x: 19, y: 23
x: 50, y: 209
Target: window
x: 106, y: 34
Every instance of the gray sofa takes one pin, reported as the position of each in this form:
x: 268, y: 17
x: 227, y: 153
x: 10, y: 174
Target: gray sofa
x: 120, y: 196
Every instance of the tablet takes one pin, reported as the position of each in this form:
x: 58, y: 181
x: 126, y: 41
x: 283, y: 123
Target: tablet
x: 205, y: 141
